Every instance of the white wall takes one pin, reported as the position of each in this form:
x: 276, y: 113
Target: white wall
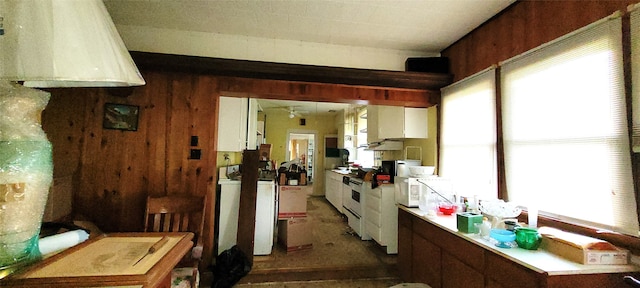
x: 146, y: 39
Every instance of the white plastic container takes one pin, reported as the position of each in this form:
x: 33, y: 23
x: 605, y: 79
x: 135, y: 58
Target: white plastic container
x: 421, y: 171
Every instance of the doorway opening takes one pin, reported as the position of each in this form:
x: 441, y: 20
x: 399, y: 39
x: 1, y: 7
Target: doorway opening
x: 301, y: 146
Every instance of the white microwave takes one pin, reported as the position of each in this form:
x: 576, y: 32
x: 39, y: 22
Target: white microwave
x: 408, y: 190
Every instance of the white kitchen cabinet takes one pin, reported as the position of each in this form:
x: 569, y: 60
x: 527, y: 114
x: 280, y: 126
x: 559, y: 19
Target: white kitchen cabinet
x: 382, y: 216
x: 252, y: 125
x: 396, y: 122
x: 333, y: 189
x: 372, y: 123
x: 229, y: 205
x: 260, y: 134
x: 237, y: 124
x: 328, y: 187
x: 415, y: 123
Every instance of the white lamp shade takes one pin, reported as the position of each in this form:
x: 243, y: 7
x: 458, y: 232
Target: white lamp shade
x: 63, y: 43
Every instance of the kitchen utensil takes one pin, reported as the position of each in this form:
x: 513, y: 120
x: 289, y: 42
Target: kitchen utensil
x: 447, y: 209
x: 528, y: 238
x: 421, y: 171
x: 155, y: 247
x: 511, y: 224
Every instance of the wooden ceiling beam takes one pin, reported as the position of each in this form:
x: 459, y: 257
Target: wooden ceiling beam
x: 291, y: 72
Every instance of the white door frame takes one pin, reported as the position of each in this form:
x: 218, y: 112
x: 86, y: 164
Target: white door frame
x: 315, y: 147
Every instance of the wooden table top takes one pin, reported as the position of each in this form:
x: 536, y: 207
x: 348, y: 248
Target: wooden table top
x: 117, y: 259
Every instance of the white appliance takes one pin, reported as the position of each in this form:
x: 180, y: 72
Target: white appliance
x: 409, y: 190
x: 346, y: 193
x: 229, y: 206
x: 398, y: 167
x: 265, y: 218
x: 354, y: 208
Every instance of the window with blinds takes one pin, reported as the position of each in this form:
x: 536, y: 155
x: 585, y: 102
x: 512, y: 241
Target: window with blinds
x: 566, y: 144
x: 635, y: 75
x: 468, y: 135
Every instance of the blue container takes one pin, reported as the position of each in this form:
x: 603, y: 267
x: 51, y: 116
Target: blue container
x: 502, y: 235
x: 503, y: 238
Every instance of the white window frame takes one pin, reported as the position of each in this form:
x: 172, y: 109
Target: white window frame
x: 544, y: 150
x: 468, y: 141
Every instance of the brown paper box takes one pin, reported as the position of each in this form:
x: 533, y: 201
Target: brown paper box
x: 265, y: 152
x: 295, y: 234
x: 292, y: 201
x: 583, y: 249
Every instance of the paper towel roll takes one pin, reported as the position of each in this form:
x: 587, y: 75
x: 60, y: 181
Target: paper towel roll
x: 62, y: 241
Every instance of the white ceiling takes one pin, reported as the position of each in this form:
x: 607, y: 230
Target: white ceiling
x: 419, y: 25
x: 302, y: 108
x: 426, y: 26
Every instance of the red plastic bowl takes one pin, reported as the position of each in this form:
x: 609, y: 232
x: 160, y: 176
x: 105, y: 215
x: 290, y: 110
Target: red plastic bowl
x: 447, y: 209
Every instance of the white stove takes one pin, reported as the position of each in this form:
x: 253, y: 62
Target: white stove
x: 354, y: 207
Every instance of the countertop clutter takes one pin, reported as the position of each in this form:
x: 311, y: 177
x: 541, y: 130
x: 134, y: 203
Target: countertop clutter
x: 456, y: 259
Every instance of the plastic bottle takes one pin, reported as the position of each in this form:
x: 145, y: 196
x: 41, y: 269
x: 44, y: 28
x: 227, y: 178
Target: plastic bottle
x: 485, y: 228
x: 462, y: 207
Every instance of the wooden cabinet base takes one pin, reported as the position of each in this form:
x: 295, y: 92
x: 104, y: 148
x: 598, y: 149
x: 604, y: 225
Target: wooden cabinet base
x: 430, y: 254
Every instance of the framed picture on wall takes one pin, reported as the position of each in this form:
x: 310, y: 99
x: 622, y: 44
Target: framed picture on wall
x: 120, y: 116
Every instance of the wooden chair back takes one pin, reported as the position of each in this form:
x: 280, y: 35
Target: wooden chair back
x: 175, y: 214
x: 178, y: 214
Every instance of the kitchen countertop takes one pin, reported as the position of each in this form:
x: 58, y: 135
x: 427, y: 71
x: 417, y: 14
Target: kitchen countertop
x: 225, y: 181
x: 341, y: 172
x: 537, y: 260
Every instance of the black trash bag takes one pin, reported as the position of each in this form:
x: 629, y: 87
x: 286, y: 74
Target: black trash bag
x: 231, y: 265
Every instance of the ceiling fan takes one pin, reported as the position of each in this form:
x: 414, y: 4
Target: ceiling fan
x: 292, y: 111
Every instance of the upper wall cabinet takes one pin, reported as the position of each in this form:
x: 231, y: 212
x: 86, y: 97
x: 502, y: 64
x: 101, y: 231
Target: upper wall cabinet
x: 253, y: 143
x: 395, y: 122
x: 237, y: 124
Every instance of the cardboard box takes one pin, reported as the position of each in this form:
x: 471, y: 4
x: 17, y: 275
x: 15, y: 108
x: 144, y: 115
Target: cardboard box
x: 265, y: 152
x: 583, y: 249
x: 295, y: 234
x: 292, y: 201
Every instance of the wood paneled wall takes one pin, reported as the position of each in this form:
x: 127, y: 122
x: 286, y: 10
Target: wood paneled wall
x: 523, y: 26
x: 114, y: 171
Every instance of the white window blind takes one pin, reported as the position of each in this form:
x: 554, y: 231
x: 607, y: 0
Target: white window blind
x: 635, y: 75
x: 565, y: 129
x: 468, y: 135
